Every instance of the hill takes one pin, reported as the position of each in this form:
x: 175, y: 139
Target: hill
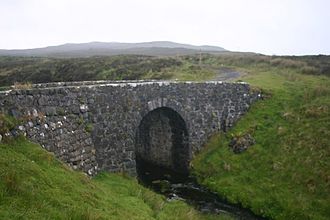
x: 154, y: 48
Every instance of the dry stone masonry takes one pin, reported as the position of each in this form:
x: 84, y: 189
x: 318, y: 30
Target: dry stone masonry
x: 108, y: 125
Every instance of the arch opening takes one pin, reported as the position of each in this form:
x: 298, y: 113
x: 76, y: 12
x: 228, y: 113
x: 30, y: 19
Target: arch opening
x: 162, y: 141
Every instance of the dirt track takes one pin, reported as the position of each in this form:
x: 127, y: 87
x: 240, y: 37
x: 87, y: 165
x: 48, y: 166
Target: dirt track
x: 226, y: 74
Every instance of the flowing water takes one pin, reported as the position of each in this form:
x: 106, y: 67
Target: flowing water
x: 180, y: 186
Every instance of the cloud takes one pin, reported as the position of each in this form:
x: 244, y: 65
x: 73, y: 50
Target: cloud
x: 272, y: 27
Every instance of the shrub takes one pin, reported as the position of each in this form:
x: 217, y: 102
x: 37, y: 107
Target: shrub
x: 309, y: 70
x: 7, y: 123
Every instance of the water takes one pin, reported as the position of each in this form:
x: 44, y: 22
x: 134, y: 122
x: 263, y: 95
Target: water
x: 182, y: 186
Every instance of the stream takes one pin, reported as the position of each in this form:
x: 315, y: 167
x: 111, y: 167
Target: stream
x: 180, y: 186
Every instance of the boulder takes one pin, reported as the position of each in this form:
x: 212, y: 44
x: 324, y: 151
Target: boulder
x: 241, y: 143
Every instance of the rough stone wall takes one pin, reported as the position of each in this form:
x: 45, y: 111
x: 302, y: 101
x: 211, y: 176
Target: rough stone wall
x: 58, y: 120
x: 93, y: 127
x: 159, y: 139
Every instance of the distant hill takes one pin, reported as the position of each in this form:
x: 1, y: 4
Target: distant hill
x: 154, y: 48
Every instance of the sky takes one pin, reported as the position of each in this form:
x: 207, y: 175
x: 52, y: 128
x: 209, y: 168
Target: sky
x: 273, y: 27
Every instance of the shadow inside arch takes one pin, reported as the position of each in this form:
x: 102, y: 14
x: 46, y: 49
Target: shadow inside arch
x: 162, y: 140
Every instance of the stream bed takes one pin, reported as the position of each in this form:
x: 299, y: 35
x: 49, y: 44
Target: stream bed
x: 181, y: 186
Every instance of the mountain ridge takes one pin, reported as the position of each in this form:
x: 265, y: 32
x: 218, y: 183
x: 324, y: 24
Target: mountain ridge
x: 96, y: 48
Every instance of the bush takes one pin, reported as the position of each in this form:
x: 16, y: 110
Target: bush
x: 309, y: 70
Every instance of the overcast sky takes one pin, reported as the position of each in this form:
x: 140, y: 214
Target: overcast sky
x: 264, y: 26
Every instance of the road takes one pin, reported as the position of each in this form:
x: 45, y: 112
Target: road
x: 227, y: 74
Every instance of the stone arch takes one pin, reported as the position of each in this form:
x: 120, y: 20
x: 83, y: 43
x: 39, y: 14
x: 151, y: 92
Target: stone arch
x: 162, y: 139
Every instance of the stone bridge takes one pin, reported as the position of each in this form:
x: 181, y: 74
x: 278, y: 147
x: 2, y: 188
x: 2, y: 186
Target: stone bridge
x: 109, y: 126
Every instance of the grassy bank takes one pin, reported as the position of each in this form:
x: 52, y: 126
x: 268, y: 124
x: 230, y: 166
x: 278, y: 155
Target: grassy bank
x: 34, y: 185
x: 285, y: 175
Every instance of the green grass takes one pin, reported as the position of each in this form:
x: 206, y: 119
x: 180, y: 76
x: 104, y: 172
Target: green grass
x: 35, y: 185
x: 185, y: 72
x: 190, y: 72
x: 285, y: 175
